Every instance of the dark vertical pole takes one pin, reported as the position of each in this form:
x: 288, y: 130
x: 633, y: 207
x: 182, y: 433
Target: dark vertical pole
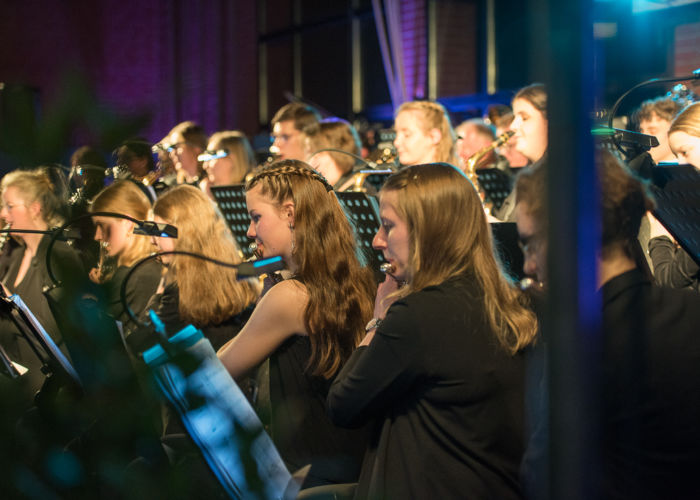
x: 573, y: 315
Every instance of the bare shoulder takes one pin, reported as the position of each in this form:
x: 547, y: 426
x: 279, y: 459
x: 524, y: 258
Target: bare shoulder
x: 285, y: 302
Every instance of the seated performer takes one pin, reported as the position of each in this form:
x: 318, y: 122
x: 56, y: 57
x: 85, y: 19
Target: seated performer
x: 193, y: 291
x: 305, y: 326
x: 34, y: 200
x: 473, y: 136
x: 530, y: 127
x: 337, y: 168
x: 654, y: 117
x: 439, y: 367
x: 229, y: 158
x: 186, y: 141
x: 672, y: 265
x: 290, y: 127
x: 121, y: 249
x: 651, y: 350
x: 424, y: 134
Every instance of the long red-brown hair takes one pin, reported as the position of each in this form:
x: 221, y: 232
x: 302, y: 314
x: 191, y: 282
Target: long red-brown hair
x: 341, y: 292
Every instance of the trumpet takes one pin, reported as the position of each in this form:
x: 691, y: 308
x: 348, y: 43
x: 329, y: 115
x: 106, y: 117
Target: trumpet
x: 474, y: 159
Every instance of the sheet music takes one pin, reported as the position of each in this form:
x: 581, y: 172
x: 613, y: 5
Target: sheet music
x: 226, y: 429
x: 44, y: 338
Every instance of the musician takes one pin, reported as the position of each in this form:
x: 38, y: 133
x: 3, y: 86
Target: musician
x: 439, y: 367
x: 187, y: 140
x: 424, y: 134
x: 337, y: 168
x: 121, y: 249
x: 87, y: 173
x: 135, y: 158
x: 305, y: 326
x: 530, y: 127
x: 37, y: 200
x: 193, y: 291
x: 684, y: 135
x: 290, y: 126
x: 654, y: 117
x: 473, y: 136
x: 672, y: 265
x: 513, y: 157
x: 227, y: 160
x: 651, y: 396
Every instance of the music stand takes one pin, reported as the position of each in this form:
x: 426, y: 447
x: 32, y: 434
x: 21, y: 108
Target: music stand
x: 7, y: 366
x: 231, y: 203
x: 496, y: 183
x: 363, y: 213
x: 505, y: 238
x: 377, y: 180
x: 51, y: 357
x: 677, y: 192
x: 219, y: 418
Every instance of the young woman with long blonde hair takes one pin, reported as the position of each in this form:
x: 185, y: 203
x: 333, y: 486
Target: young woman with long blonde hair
x: 439, y: 369
x: 121, y: 249
x: 194, y: 291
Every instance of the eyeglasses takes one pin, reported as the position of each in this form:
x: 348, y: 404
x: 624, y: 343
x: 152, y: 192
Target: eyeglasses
x: 281, y: 138
x: 213, y: 155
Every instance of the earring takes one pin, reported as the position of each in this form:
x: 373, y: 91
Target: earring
x: 291, y: 228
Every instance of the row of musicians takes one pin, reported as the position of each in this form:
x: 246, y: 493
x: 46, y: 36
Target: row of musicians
x: 424, y: 134
x: 430, y: 366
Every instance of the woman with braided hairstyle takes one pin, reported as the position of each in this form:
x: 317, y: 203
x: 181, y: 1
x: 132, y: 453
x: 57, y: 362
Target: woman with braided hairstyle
x: 308, y: 325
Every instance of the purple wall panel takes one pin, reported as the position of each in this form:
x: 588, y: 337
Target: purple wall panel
x: 175, y: 59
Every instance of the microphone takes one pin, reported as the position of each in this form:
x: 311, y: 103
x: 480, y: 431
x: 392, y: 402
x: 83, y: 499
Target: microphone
x: 258, y: 267
x: 151, y: 228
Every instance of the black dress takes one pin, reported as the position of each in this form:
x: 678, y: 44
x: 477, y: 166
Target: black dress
x: 294, y: 414
x: 448, y: 400
x: 652, y: 390
x: 142, y: 285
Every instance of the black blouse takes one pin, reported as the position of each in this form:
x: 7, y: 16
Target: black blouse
x: 447, y: 397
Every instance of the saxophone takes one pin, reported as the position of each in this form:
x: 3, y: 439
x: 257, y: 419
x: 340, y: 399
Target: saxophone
x: 474, y: 160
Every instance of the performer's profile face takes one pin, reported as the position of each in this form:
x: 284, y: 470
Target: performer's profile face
x: 392, y: 238
x: 530, y: 127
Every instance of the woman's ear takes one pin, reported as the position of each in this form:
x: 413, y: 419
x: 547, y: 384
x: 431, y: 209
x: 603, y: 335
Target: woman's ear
x: 35, y: 210
x: 435, y: 136
x: 288, y: 212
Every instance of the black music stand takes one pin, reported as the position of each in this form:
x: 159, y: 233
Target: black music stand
x: 505, y: 236
x: 377, y: 180
x: 231, y: 202
x: 363, y: 213
x: 677, y: 192
x: 53, y: 360
x: 219, y: 419
x: 496, y: 183
x: 7, y: 366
